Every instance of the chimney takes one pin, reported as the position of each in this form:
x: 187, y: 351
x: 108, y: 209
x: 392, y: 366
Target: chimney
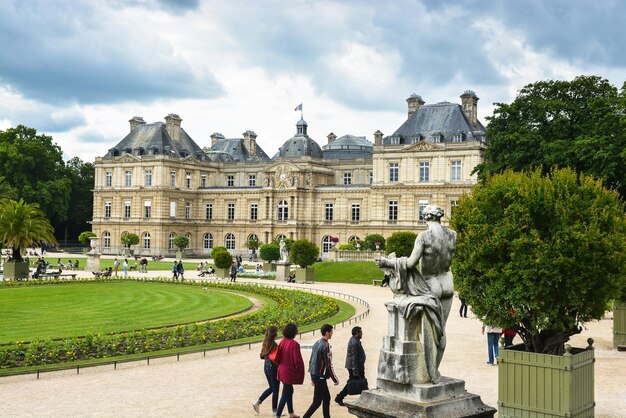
x: 172, y: 124
x: 414, y: 101
x: 378, y: 138
x: 469, y: 102
x: 216, y: 136
x: 136, y: 121
x: 249, y: 141
x: 331, y: 137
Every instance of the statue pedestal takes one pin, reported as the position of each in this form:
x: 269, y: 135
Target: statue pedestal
x: 282, y: 271
x: 93, y: 262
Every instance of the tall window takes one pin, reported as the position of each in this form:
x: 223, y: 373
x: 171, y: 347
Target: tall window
x: 327, y: 244
x: 455, y: 170
x: 207, y: 241
x: 170, y: 241
x: 146, y: 241
x: 209, y: 211
x: 453, y: 205
x: 129, y: 179
x: 203, y: 181
x: 127, y: 209
x: 187, y: 210
x: 283, y: 210
x: 108, y: 182
x: 393, y: 171
x: 252, y: 180
x: 172, y: 209
x: 173, y: 178
x: 329, y: 212
x: 148, y: 181
x: 356, y: 212
x: 393, y: 210
x: 424, y: 170
x: 347, y: 179
x: 188, y: 181
x: 420, y: 210
x: 229, y: 241
x: 230, y: 211
x: 107, y: 209
x: 230, y: 181
x: 254, y: 211
x: 106, y: 237
x: 147, y: 208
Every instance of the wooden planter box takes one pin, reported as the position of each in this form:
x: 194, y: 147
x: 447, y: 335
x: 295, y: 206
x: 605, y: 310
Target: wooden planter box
x: 544, y: 385
x: 619, y: 323
x: 305, y: 276
x: 16, y: 270
x: 222, y: 273
x: 269, y: 266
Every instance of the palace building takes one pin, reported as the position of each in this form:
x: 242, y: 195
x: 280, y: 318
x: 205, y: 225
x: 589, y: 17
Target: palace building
x: 158, y: 182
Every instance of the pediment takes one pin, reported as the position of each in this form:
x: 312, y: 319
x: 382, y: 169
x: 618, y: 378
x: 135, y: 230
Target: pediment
x: 423, y: 146
x: 127, y: 158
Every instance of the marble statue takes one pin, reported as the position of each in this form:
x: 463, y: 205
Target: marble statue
x: 423, y: 297
x: 284, y: 254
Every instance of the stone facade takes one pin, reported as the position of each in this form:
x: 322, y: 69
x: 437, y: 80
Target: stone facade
x: 158, y: 183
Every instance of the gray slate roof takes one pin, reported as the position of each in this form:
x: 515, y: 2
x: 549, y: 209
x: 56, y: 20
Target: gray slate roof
x: 445, y: 119
x: 153, y: 139
x: 236, y: 149
x: 348, y: 146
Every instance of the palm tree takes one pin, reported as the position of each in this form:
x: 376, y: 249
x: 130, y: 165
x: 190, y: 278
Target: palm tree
x: 23, y: 224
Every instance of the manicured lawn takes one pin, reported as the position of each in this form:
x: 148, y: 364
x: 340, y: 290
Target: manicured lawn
x: 28, y: 313
x: 108, y: 262
x: 359, y: 272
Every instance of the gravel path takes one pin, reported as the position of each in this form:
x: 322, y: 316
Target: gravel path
x: 225, y: 384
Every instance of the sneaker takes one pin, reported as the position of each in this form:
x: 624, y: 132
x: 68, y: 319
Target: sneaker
x: 255, y: 406
x: 339, y: 401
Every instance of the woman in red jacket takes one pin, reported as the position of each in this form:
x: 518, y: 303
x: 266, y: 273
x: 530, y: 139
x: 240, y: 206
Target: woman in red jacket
x: 290, y: 368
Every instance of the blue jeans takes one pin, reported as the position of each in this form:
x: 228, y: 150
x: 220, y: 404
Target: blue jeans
x: 492, y: 345
x: 286, y: 398
x: 274, y: 385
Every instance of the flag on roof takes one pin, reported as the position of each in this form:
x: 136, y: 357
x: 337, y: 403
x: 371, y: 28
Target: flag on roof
x: 299, y: 107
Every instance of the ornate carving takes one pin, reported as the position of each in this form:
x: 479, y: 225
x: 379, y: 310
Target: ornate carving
x: 283, y: 177
x: 423, y: 146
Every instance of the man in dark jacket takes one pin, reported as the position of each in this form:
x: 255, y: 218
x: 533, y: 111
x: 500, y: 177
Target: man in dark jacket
x: 321, y: 369
x: 355, y: 362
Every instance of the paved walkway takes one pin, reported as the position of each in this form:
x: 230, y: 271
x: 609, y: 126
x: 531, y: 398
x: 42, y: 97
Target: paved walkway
x: 225, y: 384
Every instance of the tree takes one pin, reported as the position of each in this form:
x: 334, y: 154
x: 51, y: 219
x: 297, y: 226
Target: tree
x: 369, y: 243
x: 577, y: 124
x: 254, y: 244
x: 540, y: 254
x: 223, y: 259
x: 6, y: 191
x: 81, y: 175
x: 181, y: 242
x: 303, y: 253
x: 401, y: 243
x: 84, y: 237
x: 217, y: 249
x: 129, y: 238
x: 269, y: 252
x: 22, y: 225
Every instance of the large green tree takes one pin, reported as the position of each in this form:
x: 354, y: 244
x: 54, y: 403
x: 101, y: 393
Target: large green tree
x: 579, y: 124
x: 82, y: 176
x: 540, y: 254
x: 22, y: 225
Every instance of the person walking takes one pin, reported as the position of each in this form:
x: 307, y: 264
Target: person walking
x: 508, y: 334
x: 463, y: 308
x: 355, y: 362
x: 116, y: 266
x: 233, y: 270
x: 175, y: 270
x: 180, y: 269
x: 290, y: 368
x: 125, y: 266
x: 270, y: 369
x: 321, y: 369
x: 493, y: 335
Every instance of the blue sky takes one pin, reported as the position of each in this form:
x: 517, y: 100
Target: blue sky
x: 79, y: 70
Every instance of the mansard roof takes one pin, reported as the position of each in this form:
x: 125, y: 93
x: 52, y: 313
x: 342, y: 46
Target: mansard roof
x: 443, y: 119
x: 237, y: 150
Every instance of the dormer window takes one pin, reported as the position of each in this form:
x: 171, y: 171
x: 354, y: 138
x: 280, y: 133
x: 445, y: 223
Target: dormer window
x: 457, y: 137
x: 437, y: 138
x: 394, y: 140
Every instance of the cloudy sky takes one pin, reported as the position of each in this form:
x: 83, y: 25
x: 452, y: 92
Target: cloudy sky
x: 79, y: 70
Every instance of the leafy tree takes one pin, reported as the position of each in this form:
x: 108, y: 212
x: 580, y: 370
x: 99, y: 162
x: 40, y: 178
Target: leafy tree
x: 22, y: 225
x: 254, y: 244
x: 223, y: 259
x: 84, y: 237
x: 181, y: 242
x: 303, y: 253
x: 540, y: 254
x: 269, y: 252
x: 6, y: 191
x: 129, y: 238
x: 288, y: 243
x: 217, y: 249
x: 401, y: 243
x: 82, y: 176
x: 369, y: 243
x: 578, y: 124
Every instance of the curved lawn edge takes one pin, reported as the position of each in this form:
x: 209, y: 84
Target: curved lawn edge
x: 291, y: 302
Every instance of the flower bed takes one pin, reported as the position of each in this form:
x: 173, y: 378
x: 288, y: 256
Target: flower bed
x: 293, y: 306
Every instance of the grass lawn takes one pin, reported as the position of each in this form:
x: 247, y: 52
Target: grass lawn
x: 359, y: 272
x: 31, y: 312
x: 108, y: 262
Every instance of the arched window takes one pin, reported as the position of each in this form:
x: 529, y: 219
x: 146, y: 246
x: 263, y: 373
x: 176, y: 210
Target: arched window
x: 283, y: 210
x: 170, y: 241
x: 229, y: 241
x: 253, y: 236
x: 280, y: 236
x: 146, y: 241
x: 207, y: 241
x: 354, y: 238
x: 106, y: 239
x: 327, y: 244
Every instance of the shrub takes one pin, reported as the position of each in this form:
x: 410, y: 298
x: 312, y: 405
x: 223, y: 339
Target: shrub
x: 217, y: 249
x: 84, y: 236
x: 369, y: 243
x: 401, y: 243
x: 269, y: 252
x: 348, y: 247
x: 223, y: 259
x: 181, y: 242
x: 129, y: 238
x: 540, y: 254
x: 304, y: 253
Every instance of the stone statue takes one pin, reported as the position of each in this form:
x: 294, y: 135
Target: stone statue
x: 284, y: 254
x: 423, y: 297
